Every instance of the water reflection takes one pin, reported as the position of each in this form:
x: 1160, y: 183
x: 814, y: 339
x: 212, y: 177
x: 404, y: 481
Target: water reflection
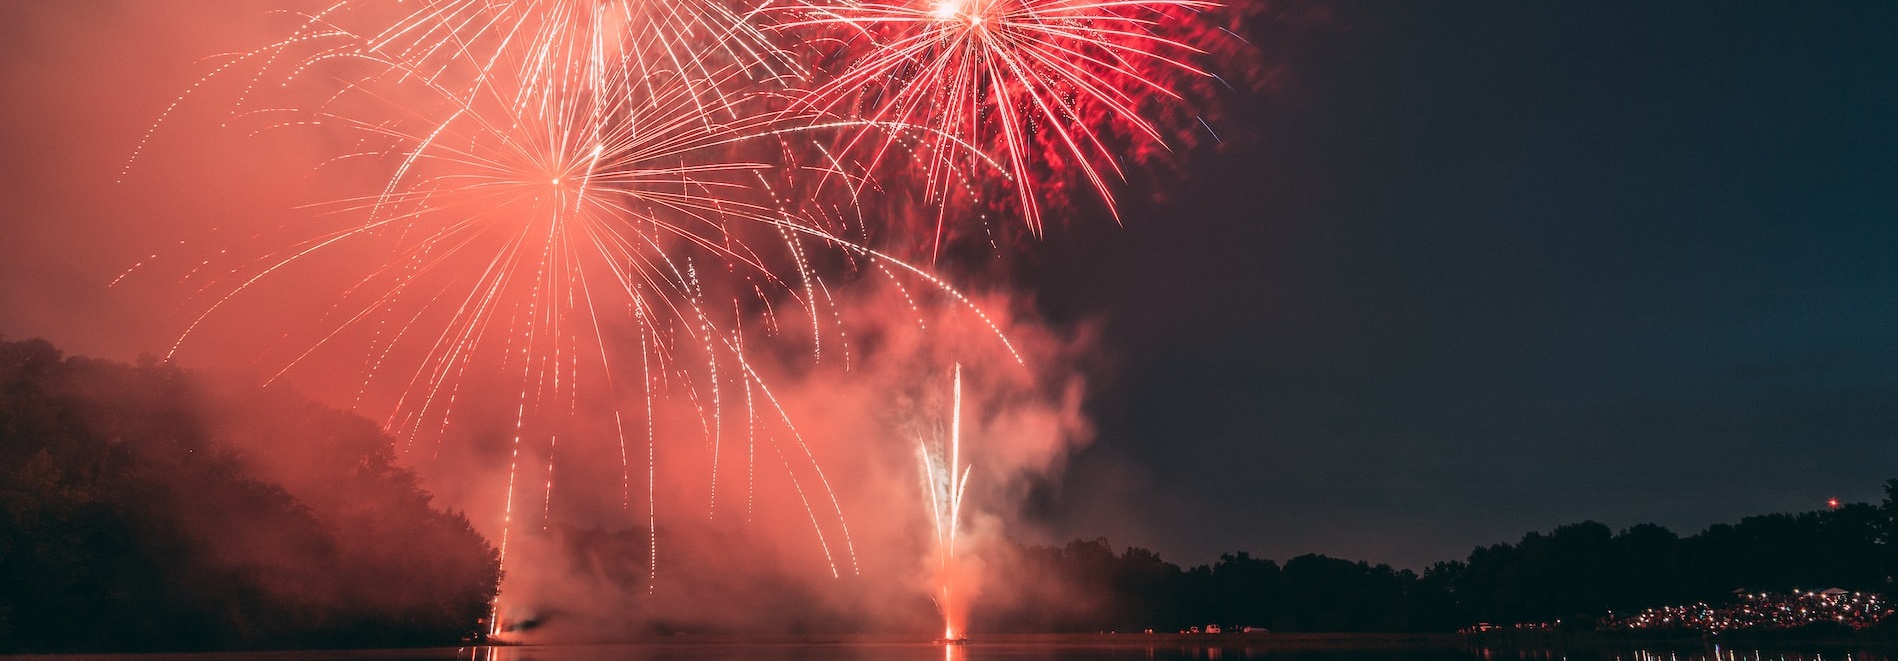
x: 1686, y: 653
x: 1106, y: 648
x: 1716, y: 653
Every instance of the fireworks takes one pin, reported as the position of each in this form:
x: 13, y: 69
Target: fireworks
x: 1044, y: 88
x: 946, y: 480
x: 535, y: 222
x: 608, y: 205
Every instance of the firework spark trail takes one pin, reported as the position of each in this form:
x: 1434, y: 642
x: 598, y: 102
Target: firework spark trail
x: 543, y: 165
x: 521, y: 159
x: 698, y: 39
x: 521, y: 204
x: 1038, y: 84
x: 547, y: 497
x: 946, y: 482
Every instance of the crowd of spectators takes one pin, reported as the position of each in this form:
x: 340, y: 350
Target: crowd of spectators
x: 1764, y: 611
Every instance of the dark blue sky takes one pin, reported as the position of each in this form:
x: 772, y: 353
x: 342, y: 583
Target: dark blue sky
x: 1490, y: 267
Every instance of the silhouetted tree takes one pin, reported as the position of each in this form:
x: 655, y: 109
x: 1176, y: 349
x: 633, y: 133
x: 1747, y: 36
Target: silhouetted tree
x: 141, y: 511
x: 1575, y: 573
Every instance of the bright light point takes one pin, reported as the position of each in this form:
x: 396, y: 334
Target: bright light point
x: 946, y: 10
x: 556, y: 181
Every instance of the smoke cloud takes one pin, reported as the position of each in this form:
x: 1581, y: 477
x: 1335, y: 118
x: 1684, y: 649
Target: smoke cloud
x: 775, y: 484
x: 827, y: 528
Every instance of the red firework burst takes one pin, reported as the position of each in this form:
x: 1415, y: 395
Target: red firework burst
x: 1042, y: 90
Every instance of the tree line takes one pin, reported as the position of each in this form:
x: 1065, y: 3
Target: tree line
x: 149, y: 508
x: 1576, y: 573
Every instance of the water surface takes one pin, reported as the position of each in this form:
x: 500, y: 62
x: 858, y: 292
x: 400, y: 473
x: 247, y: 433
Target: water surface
x: 1100, y: 648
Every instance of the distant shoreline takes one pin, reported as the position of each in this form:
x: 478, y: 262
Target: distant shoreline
x: 1503, y: 640
x: 1521, y: 641
x: 1290, y: 640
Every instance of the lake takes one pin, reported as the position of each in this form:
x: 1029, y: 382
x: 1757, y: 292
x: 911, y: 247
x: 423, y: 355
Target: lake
x: 1052, y: 648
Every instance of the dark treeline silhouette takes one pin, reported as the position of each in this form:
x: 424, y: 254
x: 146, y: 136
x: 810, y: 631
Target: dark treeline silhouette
x: 148, y: 508
x: 1576, y: 573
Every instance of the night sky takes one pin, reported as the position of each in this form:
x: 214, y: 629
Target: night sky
x: 1470, y: 269
x: 1495, y: 267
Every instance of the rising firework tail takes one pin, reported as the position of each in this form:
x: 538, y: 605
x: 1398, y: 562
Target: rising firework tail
x: 946, y: 481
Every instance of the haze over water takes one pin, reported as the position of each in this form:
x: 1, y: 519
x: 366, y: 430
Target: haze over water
x: 1124, y: 647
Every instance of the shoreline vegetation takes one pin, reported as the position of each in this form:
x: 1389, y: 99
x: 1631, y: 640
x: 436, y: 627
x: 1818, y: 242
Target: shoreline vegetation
x: 1266, y: 640
x: 1508, y: 640
x: 1543, y: 645
x: 150, y: 508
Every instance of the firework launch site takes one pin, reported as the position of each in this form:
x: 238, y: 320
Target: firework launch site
x: 135, y: 522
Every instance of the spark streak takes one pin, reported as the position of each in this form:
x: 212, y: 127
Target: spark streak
x: 946, y: 484
x: 1040, y: 85
x: 556, y: 181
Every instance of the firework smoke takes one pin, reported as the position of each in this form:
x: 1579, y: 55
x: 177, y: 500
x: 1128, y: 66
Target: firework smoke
x: 863, y: 425
x: 617, y: 263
